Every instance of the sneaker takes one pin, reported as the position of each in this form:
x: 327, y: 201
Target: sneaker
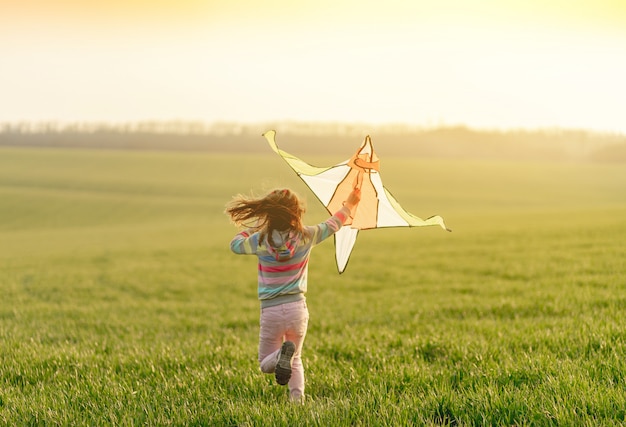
x: 283, y: 367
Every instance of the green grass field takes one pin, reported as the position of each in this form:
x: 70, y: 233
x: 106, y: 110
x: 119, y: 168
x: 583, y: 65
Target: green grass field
x: 122, y: 304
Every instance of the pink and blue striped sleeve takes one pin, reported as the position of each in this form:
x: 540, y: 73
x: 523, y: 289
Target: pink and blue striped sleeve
x: 245, y: 243
x: 329, y: 227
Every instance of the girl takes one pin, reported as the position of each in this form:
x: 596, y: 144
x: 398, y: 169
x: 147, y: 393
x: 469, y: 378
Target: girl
x: 283, y: 246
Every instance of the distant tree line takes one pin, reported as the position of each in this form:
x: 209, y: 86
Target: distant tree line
x: 322, y: 139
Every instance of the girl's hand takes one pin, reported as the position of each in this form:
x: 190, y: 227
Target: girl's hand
x: 353, y: 199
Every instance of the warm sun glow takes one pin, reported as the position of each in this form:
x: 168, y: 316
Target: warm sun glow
x: 486, y: 64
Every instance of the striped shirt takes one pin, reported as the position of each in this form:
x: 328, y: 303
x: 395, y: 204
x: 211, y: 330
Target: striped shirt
x: 282, y: 270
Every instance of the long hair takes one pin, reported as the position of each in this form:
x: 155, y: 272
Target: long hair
x: 279, y: 210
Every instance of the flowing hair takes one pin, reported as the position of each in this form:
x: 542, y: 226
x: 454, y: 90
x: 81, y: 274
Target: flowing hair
x: 279, y: 210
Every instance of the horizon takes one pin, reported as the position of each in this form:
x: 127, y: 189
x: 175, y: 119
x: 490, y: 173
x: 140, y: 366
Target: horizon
x: 291, y: 126
x: 480, y: 64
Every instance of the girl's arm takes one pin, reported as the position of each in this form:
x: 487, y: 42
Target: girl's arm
x: 245, y: 243
x: 335, y: 222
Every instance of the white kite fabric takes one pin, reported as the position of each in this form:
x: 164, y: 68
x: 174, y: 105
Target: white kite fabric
x: 332, y: 185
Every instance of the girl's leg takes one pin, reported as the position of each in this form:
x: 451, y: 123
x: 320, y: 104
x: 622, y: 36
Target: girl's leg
x: 287, y: 322
x: 298, y: 316
x: 270, y: 337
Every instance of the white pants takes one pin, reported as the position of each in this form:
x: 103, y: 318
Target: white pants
x: 285, y: 322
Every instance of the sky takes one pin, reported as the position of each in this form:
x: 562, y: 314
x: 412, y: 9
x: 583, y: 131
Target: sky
x: 480, y: 63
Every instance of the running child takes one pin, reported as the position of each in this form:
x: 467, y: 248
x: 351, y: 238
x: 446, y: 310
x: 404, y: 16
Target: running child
x: 283, y: 245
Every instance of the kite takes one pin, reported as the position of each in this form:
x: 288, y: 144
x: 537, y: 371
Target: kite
x: 332, y: 185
